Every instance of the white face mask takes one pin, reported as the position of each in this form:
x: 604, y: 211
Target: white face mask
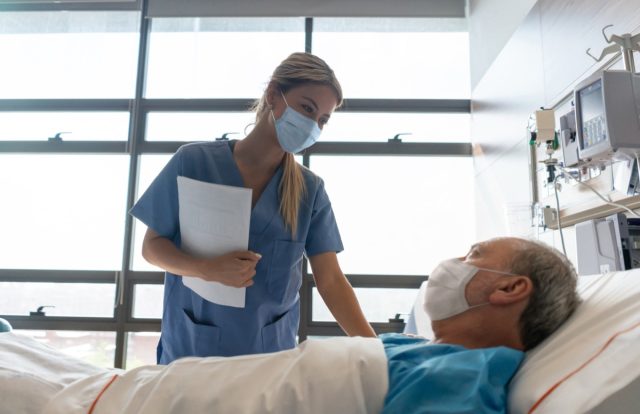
x: 295, y: 131
x: 445, y: 295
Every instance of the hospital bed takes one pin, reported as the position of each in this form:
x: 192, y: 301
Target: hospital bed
x: 590, y: 365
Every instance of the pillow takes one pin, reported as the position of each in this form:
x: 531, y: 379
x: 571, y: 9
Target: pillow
x: 418, y: 322
x: 591, y: 357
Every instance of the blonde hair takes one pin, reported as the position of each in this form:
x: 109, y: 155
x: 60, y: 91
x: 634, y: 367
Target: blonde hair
x: 296, y: 70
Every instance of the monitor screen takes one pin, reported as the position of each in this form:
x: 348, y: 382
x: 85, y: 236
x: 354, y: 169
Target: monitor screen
x: 592, y: 117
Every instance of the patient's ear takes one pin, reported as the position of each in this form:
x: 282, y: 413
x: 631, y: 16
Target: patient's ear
x: 511, y: 289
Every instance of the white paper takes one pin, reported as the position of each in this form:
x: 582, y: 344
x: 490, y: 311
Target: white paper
x: 214, y: 220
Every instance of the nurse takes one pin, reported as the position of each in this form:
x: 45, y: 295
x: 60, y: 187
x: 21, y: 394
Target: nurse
x: 291, y: 216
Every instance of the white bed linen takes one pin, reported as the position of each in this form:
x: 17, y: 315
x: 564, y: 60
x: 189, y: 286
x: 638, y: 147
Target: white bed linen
x: 593, y: 356
x: 31, y: 373
x: 337, y: 375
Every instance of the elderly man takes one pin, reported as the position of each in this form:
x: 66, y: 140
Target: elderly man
x: 504, y: 297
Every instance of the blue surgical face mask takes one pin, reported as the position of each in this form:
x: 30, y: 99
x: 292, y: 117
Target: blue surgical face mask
x: 295, y: 131
x: 445, y: 294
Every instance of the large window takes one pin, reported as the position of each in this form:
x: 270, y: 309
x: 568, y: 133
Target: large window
x: 62, y: 211
x: 94, y: 103
x: 68, y: 54
x: 395, y: 58
x: 218, y: 57
x: 399, y: 215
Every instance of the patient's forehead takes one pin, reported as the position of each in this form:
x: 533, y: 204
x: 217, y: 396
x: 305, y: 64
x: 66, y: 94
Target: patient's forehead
x: 494, y: 252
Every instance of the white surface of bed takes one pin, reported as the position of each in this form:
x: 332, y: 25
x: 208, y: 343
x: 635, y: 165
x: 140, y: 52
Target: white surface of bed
x: 336, y: 375
x: 593, y: 360
x: 31, y: 373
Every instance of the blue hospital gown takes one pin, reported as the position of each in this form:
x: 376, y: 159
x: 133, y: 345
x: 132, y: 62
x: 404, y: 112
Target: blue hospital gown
x: 442, y: 378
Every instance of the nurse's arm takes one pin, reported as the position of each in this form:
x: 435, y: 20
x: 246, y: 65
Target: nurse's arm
x: 337, y: 293
x: 233, y: 269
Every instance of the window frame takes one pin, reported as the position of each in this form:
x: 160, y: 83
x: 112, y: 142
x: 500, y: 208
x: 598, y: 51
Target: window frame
x: 126, y: 279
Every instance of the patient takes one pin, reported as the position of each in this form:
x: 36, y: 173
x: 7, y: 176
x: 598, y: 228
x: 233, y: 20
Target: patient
x: 504, y: 297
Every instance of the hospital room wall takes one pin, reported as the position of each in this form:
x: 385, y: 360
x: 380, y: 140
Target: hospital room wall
x: 538, y: 66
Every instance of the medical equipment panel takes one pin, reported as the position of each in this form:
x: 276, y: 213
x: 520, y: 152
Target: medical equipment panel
x: 607, y: 108
x: 608, y: 244
x: 568, y: 139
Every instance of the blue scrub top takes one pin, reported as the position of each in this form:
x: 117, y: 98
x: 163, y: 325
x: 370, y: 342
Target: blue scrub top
x: 443, y: 378
x: 193, y: 326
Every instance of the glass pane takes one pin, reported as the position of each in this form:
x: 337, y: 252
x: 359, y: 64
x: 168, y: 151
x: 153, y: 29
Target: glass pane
x: 400, y: 57
x: 197, y: 126
x: 77, y: 126
x: 399, y: 215
x: 141, y: 349
x: 68, y: 54
x: 218, y: 57
x: 378, y: 305
x: 97, y: 348
x: 66, y: 299
x: 63, y: 211
x: 150, y: 167
x: 147, y: 302
x: 379, y: 127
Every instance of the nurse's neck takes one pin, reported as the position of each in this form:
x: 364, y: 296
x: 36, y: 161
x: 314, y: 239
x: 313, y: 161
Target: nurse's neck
x: 259, y: 149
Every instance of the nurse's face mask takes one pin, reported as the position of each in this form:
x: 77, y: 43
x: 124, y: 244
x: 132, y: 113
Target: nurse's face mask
x: 295, y: 131
x: 445, y: 295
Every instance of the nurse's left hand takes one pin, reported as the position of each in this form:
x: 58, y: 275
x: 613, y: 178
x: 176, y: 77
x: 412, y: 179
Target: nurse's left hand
x: 235, y: 269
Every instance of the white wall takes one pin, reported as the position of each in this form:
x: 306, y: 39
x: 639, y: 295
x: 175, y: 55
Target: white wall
x: 541, y: 61
x: 491, y: 24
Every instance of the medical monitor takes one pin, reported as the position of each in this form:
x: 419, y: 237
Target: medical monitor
x: 607, y: 107
x: 593, y: 123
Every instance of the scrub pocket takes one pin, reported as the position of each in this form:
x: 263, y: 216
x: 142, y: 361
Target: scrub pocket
x: 285, y: 276
x: 281, y: 334
x: 198, y: 339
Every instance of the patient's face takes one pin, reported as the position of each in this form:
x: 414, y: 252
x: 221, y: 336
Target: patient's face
x: 492, y: 254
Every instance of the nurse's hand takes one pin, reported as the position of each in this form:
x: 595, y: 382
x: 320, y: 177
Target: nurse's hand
x: 235, y: 269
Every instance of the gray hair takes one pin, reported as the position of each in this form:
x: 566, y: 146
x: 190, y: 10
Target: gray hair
x: 554, y: 296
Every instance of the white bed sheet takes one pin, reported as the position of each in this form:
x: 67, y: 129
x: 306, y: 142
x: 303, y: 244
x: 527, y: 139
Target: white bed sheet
x: 593, y: 359
x: 320, y: 376
x: 31, y: 373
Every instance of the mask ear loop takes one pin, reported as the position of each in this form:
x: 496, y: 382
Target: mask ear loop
x: 271, y: 106
x: 285, y: 99
x: 498, y: 271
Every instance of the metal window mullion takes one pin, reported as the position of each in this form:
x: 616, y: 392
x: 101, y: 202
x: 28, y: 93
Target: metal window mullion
x: 333, y: 329
x: 124, y: 308
x: 56, y: 276
x: 74, y: 323
x: 64, y: 105
x: 196, y: 105
x: 407, y: 105
x: 144, y: 277
x: 384, y: 281
x: 349, y: 105
x: 62, y: 323
x: 64, y: 147
x: 308, y: 34
x: 16, y: 6
x: 306, y: 300
x: 429, y: 149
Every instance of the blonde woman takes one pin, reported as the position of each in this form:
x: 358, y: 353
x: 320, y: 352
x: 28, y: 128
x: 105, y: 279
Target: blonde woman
x: 291, y: 216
